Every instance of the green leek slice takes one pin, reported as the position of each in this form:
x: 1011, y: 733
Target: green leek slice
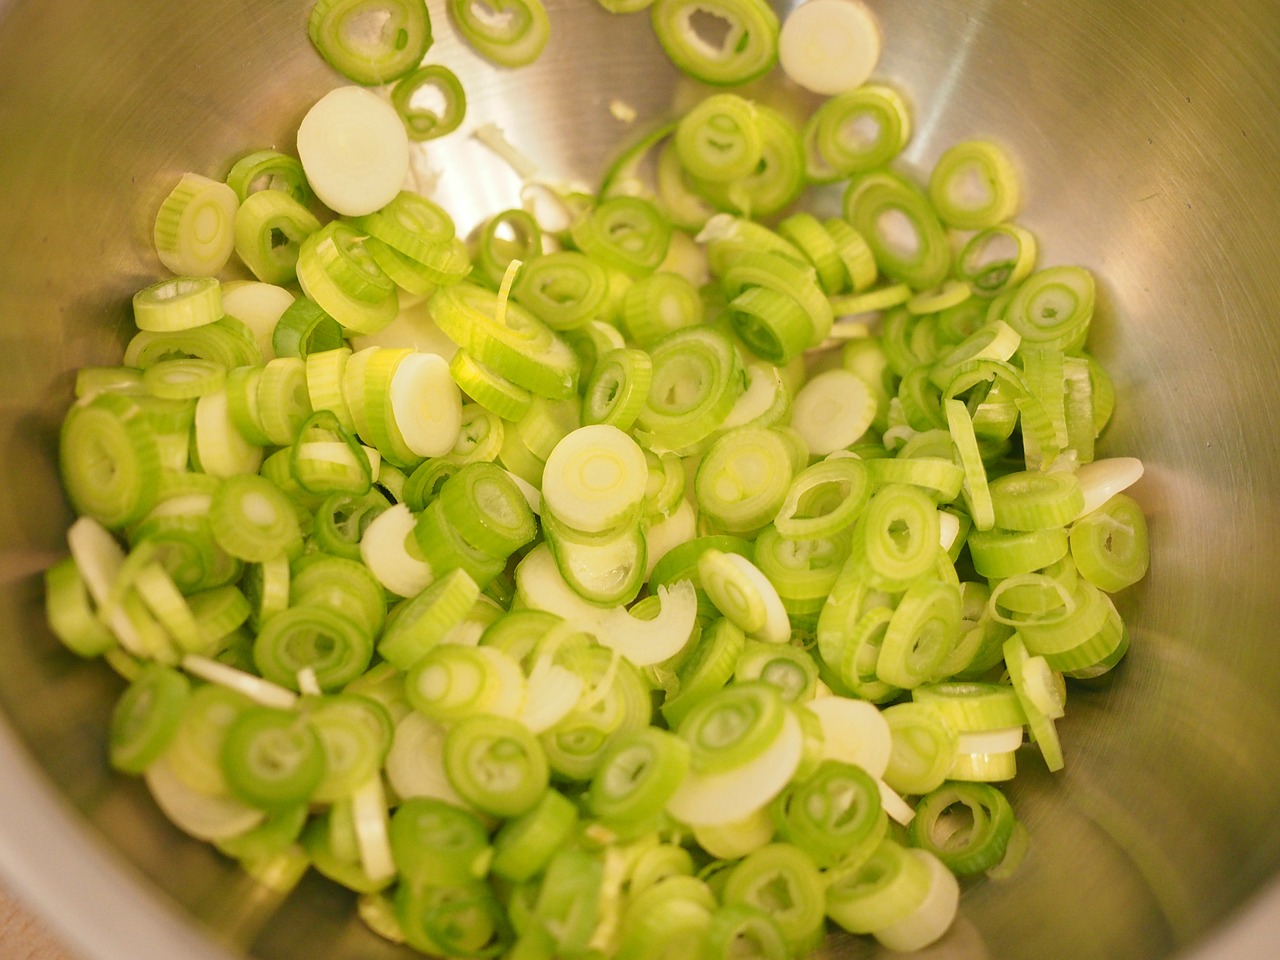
x: 697, y: 378
x: 109, y: 461
x: 973, y: 186
x: 194, y: 233
x: 903, y: 231
x: 515, y: 343
x: 371, y: 41
x: 496, y: 764
x: 424, y: 123
x: 855, y: 132
x: 510, y: 33
x: 718, y: 139
x: 269, y: 170
x: 969, y: 850
x: 748, y: 48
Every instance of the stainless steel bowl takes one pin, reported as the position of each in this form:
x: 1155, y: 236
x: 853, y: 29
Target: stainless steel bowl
x: 1147, y: 134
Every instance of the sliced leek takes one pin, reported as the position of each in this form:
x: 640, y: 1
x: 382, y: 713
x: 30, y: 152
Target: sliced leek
x: 371, y: 41
x: 747, y: 49
x: 510, y: 33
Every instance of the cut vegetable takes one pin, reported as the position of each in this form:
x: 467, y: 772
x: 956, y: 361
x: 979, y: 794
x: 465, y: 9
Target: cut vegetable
x: 829, y: 46
x: 355, y: 151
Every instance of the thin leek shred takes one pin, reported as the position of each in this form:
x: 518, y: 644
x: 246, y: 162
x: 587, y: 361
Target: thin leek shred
x: 591, y: 501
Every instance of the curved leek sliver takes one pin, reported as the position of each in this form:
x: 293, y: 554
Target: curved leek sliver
x: 646, y: 642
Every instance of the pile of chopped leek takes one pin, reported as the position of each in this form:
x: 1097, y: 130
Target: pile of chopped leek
x: 677, y: 581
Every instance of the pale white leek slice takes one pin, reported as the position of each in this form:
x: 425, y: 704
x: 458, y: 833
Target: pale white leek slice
x: 202, y: 815
x: 619, y: 865
x: 829, y: 46
x: 384, y: 549
x: 643, y: 642
x: 764, y: 383
x: 646, y: 642
x: 706, y: 800
x: 1044, y: 688
x: 622, y: 111
x: 375, y: 462
x: 255, y: 688
x: 595, y: 478
x: 336, y: 451
x: 540, y: 585
x: 415, y: 763
x: 512, y: 686
x: 680, y: 527
x: 546, y: 203
x: 354, y: 150
x: 897, y: 808
x: 426, y: 404
x: 165, y: 602
x: 1103, y: 479
x: 732, y: 841
x: 532, y: 495
x: 1004, y: 740
x: 259, y: 307
x: 369, y: 810
x: 948, y: 529
x: 687, y: 258
x: 379, y: 915
x: 188, y: 505
x: 929, y: 921
x: 832, y: 411
x: 100, y: 558
x: 742, y: 592
x: 551, y: 692
x: 853, y: 731
x: 468, y: 632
